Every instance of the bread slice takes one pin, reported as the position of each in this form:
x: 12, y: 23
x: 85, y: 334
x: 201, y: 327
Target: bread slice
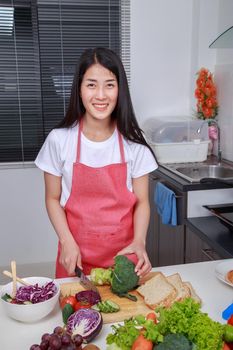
x: 193, y: 293
x: 183, y: 290
x: 157, y: 291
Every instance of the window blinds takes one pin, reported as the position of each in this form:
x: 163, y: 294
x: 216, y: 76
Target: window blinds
x: 40, y: 43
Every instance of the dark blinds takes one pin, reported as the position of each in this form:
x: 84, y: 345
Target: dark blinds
x: 40, y: 43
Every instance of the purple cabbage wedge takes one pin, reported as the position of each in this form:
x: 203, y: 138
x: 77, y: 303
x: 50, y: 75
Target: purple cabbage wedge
x: 35, y: 294
x: 85, y: 322
x: 88, y: 296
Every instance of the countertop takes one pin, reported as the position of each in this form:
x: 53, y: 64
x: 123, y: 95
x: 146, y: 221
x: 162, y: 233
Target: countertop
x: 215, y: 294
x: 214, y: 233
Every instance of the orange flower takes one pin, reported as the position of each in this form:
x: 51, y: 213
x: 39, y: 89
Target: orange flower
x: 206, y: 95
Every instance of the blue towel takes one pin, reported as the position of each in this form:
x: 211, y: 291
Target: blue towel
x: 165, y: 201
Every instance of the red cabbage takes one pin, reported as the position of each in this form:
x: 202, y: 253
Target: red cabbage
x: 88, y: 296
x: 85, y: 322
x: 35, y: 294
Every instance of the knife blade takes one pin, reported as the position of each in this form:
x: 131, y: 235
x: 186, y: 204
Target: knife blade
x: 84, y: 280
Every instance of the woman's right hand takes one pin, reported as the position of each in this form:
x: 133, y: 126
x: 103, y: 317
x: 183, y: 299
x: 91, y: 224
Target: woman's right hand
x: 70, y: 255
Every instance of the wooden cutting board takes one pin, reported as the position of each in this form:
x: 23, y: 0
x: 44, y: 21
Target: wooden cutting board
x: 128, y: 308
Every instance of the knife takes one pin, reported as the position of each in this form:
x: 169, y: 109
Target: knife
x: 84, y: 280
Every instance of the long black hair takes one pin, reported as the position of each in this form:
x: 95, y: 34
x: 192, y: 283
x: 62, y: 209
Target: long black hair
x: 123, y: 113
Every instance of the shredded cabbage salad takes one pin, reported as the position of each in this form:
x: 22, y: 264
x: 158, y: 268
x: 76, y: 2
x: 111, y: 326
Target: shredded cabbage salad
x: 35, y: 294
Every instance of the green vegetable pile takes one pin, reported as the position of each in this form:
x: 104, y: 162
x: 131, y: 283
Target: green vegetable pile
x: 194, y: 328
x: 124, y: 335
x: 187, y: 318
x: 121, y: 277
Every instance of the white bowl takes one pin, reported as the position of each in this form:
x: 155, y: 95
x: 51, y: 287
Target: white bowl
x: 29, y: 312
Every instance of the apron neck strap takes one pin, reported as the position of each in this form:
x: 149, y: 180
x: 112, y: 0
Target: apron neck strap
x: 80, y: 128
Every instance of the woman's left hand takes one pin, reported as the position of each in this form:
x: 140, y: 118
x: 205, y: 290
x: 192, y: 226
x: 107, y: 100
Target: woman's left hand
x: 143, y: 265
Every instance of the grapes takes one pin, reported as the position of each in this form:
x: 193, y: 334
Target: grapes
x: 45, y: 337
x: 44, y: 345
x: 66, y: 339
x: 55, y: 342
x: 78, y: 340
x: 60, y: 339
x: 58, y: 330
x: 35, y: 347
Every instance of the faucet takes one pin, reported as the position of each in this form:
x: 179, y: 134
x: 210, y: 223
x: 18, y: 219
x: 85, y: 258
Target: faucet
x: 219, y: 152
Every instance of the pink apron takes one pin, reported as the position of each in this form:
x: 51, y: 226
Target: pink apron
x: 99, y: 212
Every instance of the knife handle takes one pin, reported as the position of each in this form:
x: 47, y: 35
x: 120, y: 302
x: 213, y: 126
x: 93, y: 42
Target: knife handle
x: 78, y: 271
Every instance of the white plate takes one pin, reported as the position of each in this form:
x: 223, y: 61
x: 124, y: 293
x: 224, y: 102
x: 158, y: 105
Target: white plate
x: 222, y: 269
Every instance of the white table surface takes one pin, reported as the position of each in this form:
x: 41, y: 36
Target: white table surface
x: 215, y: 294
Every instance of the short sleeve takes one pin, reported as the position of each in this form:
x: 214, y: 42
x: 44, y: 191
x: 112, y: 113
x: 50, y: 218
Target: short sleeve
x: 49, y: 157
x: 143, y: 161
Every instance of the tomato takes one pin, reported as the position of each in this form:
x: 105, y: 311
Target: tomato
x: 151, y: 316
x: 141, y: 343
x: 226, y: 347
x: 70, y: 299
x: 81, y: 305
x: 230, y: 320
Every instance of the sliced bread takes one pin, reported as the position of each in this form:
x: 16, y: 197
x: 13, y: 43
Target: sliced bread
x: 193, y: 293
x: 157, y: 291
x: 183, y: 290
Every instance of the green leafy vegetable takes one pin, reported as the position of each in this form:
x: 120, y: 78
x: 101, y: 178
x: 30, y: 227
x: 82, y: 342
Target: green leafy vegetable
x: 125, y: 335
x: 113, y: 346
x: 122, y: 277
x: 186, y: 318
x: 174, y: 342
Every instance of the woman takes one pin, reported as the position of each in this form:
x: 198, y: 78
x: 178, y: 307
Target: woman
x: 96, y: 165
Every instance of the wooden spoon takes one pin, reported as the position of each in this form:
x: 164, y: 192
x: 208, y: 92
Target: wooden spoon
x: 13, y: 271
x: 9, y: 274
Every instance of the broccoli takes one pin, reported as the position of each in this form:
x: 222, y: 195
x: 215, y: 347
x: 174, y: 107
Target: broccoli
x: 174, y: 342
x: 121, y: 277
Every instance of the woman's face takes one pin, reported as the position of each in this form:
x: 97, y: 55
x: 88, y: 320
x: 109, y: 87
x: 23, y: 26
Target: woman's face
x: 99, y: 92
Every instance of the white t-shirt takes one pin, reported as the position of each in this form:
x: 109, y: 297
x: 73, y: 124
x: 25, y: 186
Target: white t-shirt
x: 58, y: 154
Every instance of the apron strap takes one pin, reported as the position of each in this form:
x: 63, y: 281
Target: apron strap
x: 80, y: 128
x: 121, y: 147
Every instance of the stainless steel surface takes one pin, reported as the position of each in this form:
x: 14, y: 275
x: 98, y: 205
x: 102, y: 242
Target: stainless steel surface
x: 84, y: 280
x: 195, y: 172
x: 209, y: 171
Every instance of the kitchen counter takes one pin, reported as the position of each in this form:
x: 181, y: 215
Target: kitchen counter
x: 215, y: 294
x: 214, y: 233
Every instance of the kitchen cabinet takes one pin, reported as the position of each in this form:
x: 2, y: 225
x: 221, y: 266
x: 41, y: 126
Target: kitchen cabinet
x: 165, y: 243
x: 196, y: 250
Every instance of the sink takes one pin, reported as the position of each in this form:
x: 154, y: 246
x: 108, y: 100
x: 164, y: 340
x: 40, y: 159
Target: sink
x: 196, y: 172
x: 207, y: 171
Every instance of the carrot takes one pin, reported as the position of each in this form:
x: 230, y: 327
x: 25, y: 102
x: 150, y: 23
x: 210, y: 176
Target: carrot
x: 141, y: 343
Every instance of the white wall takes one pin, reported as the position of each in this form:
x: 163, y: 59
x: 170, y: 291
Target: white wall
x: 224, y: 78
x: 169, y: 43
x: 25, y: 232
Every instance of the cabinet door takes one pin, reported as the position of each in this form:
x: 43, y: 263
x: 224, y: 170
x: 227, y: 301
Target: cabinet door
x: 165, y: 244
x: 171, y: 244
x: 196, y: 250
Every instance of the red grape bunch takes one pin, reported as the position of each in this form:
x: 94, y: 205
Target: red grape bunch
x: 59, y: 340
